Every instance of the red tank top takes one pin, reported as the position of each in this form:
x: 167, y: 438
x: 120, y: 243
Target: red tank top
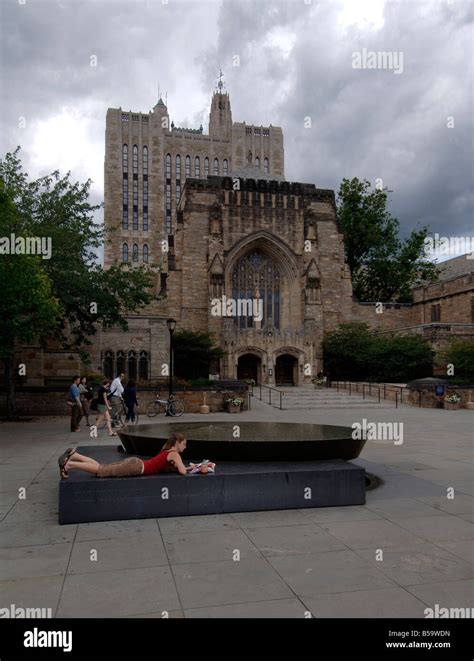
x: 158, y: 464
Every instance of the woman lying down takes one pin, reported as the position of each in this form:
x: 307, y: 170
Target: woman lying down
x: 168, y: 460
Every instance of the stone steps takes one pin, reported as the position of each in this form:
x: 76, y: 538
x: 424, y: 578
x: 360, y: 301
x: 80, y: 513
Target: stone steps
x: 307, y: 398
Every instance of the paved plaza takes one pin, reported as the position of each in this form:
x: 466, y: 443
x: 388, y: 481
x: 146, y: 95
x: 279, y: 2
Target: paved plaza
x: 409, y: 548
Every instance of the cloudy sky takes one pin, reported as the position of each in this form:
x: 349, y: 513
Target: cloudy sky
x: 285, y: 62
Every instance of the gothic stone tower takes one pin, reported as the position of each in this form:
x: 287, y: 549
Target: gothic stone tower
x: 234, y: 230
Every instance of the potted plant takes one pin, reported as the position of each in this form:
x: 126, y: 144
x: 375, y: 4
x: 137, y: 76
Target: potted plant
x: 451, y: 402
x: 233, y: 404
x: 320, y: 381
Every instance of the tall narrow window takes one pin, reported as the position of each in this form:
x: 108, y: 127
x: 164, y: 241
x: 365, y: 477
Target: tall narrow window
x: 135, y: 252
x: 125, y: 159
x: 145, y: 253
x: 125, y: 252
x: 257, y: 162
x: 265, y: 165
x: 256, y: 275
x: 135, y: 204
x: 168, y: 195
x: 125, y: 187
x: 197, y: 167
x: 216, y: 166
x: 178, y: 178
x: 108, y: 365
x: 206, y: 167
x: 145, y: 205
x: 135, y: 160
x: 143, y: 366
x: 120, y: 363
x: 145, y: 161
x: 187, y: 166
x: 226, y: 167
x: 132, y: 365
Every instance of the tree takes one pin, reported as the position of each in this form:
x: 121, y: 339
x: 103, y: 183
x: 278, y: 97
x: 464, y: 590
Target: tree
x: 193, y: 353
x: 357, y: 353
x: 459, y: 354
x: 85, y: 296
x: 383, y: 267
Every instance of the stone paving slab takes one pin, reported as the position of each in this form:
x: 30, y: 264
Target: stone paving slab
x: 278, y: 608
x: 217, y: 545
x: 328, y: 573
x: 227, y: 582
x: 378, y: 603
x: 293, y: 540
x: 112, y: 554
x: 119, y: 593
x: 419, y: 563
x: 39, y: 557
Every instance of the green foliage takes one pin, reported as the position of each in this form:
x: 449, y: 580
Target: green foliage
x: 460, y: 354
x: 68, y: 295
x: 87, y: 295
x: 200, y: 382
x: 193, y: 354
x: 383, y: 267
x: 357, y: 353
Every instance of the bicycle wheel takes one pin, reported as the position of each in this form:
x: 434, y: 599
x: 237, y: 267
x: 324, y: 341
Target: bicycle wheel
x: 176, y: 407
x: 152, y: 409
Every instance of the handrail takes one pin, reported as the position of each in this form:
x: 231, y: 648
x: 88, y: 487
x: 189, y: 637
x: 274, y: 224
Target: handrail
x: 348, y: 385
x: 263, y: 385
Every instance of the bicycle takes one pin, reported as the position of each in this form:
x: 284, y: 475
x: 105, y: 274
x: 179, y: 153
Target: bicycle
x: 171, y: 406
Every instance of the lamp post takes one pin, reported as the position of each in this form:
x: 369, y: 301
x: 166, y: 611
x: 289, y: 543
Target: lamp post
x: 171, y: 325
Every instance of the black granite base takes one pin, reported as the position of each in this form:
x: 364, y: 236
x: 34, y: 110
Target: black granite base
x: 234, y: 487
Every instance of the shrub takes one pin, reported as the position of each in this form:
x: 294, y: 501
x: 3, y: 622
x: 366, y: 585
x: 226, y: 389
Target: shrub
x: 460, y: 354
x: 356, y: 352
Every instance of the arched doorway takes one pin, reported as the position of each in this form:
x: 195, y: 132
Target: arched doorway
x: 249, y: 367
x: 286, y: 370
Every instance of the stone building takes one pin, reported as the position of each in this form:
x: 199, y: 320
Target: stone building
x: 254, y: 259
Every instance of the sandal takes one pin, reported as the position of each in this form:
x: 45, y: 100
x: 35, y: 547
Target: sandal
x: 114, y: 434
x: 62, y: 461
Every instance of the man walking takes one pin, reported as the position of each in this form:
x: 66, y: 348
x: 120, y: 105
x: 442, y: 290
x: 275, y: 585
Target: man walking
x: 115, y: 398
x: 76, y: 408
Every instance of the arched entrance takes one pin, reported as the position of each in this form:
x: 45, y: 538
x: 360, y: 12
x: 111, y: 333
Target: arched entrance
x: 249, y: 367
x: 286, y: 367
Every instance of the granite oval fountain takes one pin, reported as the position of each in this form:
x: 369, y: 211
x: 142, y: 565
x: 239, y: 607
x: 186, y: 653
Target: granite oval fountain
x: 257, y: 441
x: 269, y: 466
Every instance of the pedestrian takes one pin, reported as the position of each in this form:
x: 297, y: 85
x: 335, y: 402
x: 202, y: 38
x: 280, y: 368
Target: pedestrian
x: 130, y: 399
x: 86, y: 395
x: 115, y: 398
x: 103, y: 408
x: 76, y: 407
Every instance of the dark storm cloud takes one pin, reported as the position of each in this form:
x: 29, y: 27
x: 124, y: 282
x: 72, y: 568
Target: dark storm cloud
x: 366, y: 123
x: 295, y: 62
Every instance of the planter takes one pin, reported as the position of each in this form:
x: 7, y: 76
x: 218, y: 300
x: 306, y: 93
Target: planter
x: 452, y: 406
x: 233, y: 408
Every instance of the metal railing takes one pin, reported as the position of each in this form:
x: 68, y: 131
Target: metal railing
x: 270, y: 390
x: 349, y: 385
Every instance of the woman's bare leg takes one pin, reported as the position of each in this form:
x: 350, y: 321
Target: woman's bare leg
x: 89, y: 466
x: 75, y: 456
x: 109, y: 423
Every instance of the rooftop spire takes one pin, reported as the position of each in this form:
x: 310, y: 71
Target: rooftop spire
x: 220, y: 84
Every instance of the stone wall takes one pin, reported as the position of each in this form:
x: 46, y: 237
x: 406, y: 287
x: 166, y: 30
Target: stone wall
x: 49, y: 401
